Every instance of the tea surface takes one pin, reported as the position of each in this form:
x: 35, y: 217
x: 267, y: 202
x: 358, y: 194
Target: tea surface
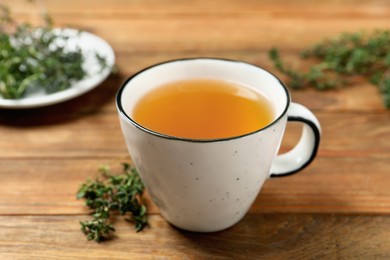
x: 203, y: 109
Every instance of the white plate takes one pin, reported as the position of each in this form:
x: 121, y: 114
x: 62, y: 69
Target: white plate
x: 89, y: 44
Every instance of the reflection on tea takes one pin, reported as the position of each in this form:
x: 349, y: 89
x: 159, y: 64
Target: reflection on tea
x: 203, y: 109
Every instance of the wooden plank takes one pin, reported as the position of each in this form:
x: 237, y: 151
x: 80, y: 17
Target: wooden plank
x: 76, y: 135
x: 61, y: 132
x: 258, y: 29
x: 48, y: 186
x: 190, y: 34
x: 271, y: 236
x: 342, y: 184
x: 361, y: 8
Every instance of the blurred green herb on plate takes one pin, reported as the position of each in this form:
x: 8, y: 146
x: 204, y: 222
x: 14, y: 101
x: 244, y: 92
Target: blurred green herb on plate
x: 37, y: 58
x: 349, y: 54
x: 115, y: 193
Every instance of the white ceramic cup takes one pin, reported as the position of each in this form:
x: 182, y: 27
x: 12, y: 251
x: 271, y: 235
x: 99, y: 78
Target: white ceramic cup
x: 209, y: 185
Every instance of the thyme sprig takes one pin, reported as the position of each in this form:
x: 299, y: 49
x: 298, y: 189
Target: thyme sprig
x: 114, y: 193
x: 349, y: 54
x: 36, y: 58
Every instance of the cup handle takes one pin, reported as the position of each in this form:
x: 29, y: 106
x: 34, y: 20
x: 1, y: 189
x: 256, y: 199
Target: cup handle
x: 305, y: 150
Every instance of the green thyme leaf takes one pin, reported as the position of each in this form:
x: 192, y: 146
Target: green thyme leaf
x: 121, y: 193
x: 35, y: 58
x: 338, y: 58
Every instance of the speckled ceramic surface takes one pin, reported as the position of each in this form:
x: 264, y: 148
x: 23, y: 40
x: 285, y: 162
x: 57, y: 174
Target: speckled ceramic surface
x: 209, y: 185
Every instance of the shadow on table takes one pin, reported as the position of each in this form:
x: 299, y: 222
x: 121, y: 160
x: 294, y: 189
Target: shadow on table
x: 89, y: 103
x: 257, y: 235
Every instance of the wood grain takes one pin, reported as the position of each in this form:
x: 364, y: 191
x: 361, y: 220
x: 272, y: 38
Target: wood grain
x: 257, y: 236
x: 337, y: 208
x: 99, y: 135
x: 178, y: 26
x: 356, y: 185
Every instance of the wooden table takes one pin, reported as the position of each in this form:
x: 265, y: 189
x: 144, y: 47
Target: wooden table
x: 338, y: 208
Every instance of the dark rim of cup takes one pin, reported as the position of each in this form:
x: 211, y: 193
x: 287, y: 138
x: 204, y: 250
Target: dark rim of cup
x: 123, y: 113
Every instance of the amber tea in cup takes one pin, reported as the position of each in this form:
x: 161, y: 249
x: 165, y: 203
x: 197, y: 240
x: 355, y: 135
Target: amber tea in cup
x: 203, y: 109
